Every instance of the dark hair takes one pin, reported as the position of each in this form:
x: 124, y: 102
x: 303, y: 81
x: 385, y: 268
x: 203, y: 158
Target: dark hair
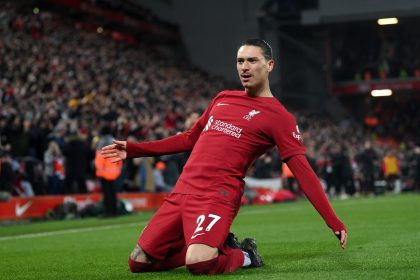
x: 266, y: 48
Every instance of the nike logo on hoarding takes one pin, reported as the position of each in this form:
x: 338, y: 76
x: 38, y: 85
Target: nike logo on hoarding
x: 20, y: 210
x: 198, y: 234
x: 221, y: 104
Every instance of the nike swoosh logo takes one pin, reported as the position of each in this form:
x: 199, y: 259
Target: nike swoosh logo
x: 221, y: 104
x: 20, y: 210
x: 198, y: 234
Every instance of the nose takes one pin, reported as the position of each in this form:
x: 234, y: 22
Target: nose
x: 245, y: 66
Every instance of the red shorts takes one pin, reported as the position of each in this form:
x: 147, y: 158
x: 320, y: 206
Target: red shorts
x: 185, y: 219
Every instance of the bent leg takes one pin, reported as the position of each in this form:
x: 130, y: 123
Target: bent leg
x: 161, y: 245
x: 203, y: 259
x: 139, y: 261
x: 206, y: 224
x: 200, y: 253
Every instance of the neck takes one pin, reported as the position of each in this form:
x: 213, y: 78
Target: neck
x: 263, y: 91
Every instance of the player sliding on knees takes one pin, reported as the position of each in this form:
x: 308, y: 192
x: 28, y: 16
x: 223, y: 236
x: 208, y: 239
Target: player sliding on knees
x: 192, y: 226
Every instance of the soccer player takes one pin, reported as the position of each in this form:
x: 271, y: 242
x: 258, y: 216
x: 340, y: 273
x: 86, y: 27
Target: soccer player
x: 192, y: 225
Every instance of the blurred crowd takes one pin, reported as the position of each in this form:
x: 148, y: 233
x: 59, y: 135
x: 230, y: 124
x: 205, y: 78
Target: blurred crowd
x: 60, y: 85
x: 347, y: 160
x: 352, y: 161
x: 63, y: 89
x: 394, y: 117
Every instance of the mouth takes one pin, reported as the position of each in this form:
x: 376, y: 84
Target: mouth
x: 246, y: 77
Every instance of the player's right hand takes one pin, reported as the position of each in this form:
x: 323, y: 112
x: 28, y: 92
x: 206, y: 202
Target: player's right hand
x: 116, y: 151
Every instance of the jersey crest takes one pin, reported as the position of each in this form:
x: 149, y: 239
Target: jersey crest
x: 251, y: 114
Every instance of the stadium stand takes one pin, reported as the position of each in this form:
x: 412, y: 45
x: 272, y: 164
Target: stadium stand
x: 386, y: 52
x: 61, y: 81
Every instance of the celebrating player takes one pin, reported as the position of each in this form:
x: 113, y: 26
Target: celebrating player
x: 192, y: 226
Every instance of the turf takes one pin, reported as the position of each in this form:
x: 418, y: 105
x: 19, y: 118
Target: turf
x: 384, y: 243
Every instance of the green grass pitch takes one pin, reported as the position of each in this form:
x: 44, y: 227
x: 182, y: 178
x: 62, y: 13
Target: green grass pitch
x: 384, y: 243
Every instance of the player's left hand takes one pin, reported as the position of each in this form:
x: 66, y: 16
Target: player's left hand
x: 342, y: 236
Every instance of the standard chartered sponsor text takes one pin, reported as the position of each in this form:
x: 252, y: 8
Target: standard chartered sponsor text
x: 227, y: 128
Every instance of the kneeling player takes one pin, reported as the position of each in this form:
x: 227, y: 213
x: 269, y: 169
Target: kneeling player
x: 193, y: 231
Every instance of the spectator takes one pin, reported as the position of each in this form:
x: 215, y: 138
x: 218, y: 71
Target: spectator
x: 289, y: 181
x: 23, y: 187
x: 366, y: 161
x: 77, y: 159
x: 108, y: 174
x: 54, y: 168
x: 392, y: 171
x: 7, y: 176
x: 160, y: 184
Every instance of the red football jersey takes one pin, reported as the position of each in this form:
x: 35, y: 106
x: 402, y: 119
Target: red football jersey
x: 235, y: 130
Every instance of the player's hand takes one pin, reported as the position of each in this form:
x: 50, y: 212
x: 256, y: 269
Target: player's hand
x: 116, y: 151
x: 342, y: 236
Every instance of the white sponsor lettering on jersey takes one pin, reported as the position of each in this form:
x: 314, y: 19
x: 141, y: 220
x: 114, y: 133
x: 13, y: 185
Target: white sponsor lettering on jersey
x: 297, y: 135
x: 224, y: 127
x: 209, y: 122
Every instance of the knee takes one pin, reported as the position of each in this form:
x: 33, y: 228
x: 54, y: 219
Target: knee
x: 200, y: 258
x: 199, y: 253
x: 138, y: 260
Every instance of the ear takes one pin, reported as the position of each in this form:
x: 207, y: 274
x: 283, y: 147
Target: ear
x: 270, y: 65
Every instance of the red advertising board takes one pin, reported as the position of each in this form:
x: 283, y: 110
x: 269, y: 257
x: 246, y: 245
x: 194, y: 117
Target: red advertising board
x: 38, y: 206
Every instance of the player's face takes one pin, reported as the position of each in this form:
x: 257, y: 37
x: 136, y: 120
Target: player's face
x: 253, y: 68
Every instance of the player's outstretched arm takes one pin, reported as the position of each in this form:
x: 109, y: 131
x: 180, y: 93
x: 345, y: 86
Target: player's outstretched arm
x: 178, y: 143
x: 312, y: 188
x: 117, y: 151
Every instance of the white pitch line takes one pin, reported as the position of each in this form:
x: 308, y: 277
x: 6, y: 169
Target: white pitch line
x: 88, y: 229
x: 66, y: 231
